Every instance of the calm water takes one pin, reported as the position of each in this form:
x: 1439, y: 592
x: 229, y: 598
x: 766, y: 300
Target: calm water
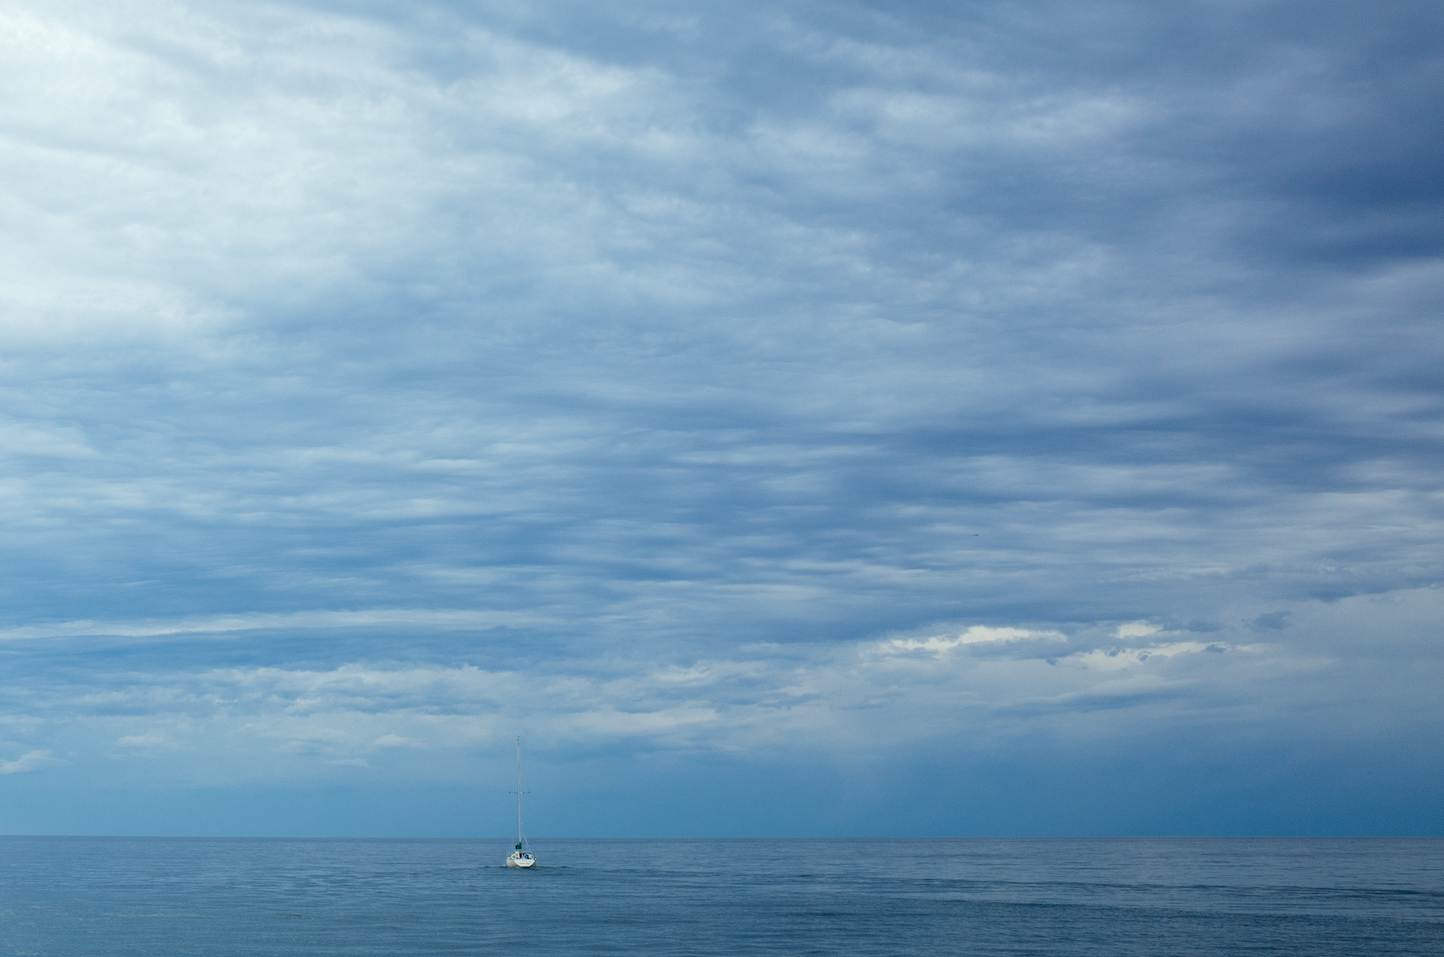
x: 122, y: 896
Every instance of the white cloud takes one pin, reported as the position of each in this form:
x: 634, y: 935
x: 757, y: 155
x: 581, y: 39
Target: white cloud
x: 28, y: 761
x: 854, y: 699
x: 181, y: 171
x: 976, y: 635
x: 425, y: 618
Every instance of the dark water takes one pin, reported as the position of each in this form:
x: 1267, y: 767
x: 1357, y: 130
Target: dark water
x: 122, y: 896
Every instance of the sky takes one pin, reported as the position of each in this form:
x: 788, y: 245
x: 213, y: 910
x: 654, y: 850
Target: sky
x: 846, y: 418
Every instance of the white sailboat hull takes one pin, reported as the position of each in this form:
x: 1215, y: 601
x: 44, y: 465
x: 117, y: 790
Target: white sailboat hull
x: 517, y: 859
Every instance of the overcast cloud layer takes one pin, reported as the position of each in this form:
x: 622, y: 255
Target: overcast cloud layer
x: 902, y: 417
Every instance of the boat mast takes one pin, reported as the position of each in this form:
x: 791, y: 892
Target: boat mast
x: 518, y: 792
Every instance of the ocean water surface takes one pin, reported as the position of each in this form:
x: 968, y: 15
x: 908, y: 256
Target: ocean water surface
x: 1198, y: 896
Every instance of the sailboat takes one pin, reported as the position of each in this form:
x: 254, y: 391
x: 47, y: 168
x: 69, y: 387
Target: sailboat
x: 522, y: 856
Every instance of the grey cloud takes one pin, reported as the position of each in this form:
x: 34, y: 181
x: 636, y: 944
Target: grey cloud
x: 1273, y: 621
x: 670, y: 331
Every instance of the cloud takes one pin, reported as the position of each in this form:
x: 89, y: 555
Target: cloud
x: 427, y: 618
x: 28, y: 761
x: 975, y: 635
x: 859, y: 699
x: 1273, y: 621
x: 727, y: 376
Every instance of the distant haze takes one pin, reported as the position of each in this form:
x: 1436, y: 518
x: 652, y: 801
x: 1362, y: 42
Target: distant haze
x: 787, y: 418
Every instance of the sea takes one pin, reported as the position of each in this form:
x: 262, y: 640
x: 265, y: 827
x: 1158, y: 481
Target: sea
x: 116, y: 897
